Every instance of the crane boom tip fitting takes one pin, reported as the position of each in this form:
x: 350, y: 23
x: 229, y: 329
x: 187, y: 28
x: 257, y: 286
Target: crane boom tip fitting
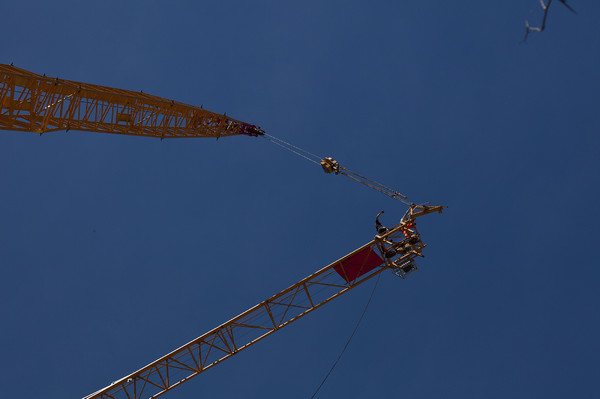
x: 251, y: 130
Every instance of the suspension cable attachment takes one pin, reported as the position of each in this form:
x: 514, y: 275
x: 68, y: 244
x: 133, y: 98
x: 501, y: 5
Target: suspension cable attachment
x: 329, y: 165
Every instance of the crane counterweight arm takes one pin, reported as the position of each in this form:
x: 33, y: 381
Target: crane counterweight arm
x: 35, y: 103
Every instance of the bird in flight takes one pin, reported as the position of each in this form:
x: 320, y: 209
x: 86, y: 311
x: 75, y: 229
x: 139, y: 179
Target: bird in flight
x: 568, y: 6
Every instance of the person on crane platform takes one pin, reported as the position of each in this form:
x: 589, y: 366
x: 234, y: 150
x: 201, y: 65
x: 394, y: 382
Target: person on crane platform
x: 381, y: 229
x: 403, y: 247
x: 408, y: 233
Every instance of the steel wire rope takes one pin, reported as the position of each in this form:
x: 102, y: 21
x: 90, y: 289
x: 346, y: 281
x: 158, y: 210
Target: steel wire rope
x: 376, y: 186
x: 349, y: 339
x: 292, y: 148
x: 340, y: 170
x: 374, y: 182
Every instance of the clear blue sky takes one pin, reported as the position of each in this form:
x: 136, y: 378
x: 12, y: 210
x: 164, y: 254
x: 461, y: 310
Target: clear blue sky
x: 115, y: 250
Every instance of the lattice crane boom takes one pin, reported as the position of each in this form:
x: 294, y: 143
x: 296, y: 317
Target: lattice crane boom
x: 35, y: 103
x: 395, y: 249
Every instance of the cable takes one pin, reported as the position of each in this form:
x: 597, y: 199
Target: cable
x: 349, y: 339
x: 289, y: 149
x: 285, y: 145
x: 374, y: 182
x: 376, y: 186
x: 293, y: 146
x: 309, y: 156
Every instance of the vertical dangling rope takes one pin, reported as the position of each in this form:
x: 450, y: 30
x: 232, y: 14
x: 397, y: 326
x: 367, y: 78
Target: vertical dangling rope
x: 349, y: 339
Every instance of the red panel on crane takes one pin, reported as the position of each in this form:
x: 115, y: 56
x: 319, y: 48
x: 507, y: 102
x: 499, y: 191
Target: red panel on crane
x: 358, y: 264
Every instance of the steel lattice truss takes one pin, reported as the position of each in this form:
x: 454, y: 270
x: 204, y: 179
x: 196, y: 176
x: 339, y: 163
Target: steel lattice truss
x: 35, y: 103
x: 394, y: 249
x: 244, y: 330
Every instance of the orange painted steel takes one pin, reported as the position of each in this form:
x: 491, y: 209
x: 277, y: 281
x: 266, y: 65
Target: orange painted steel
x: 35, y: 103
x: 395, y: 250
x: 238, y: 333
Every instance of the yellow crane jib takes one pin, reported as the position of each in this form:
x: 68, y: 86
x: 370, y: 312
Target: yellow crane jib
x: 34, y: 103
x: 392, y: 248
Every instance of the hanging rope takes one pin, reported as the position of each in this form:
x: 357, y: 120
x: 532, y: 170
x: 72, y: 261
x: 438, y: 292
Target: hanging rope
x: 329, y: 166
x: 349, y: 339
